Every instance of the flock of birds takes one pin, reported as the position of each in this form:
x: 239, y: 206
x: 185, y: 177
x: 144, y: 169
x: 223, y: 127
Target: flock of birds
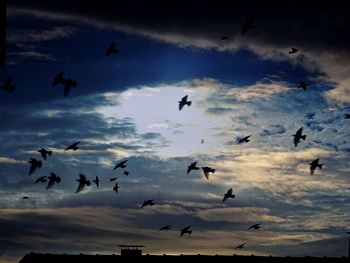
x: 83, y: 181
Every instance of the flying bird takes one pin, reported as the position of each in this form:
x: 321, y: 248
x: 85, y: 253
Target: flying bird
x: 228, y: 195
x: 148, y: 202
x: 243, y: 140
x: 192, y: 166
x: 256, y: 226
x: 207, y: 170
x: 186, y: 230
x: 315, y: 164
x: 68, y: 85
x: 25, y: 197
x: 165, y: 228
x: 41, y: 179
x: 112, y: 49
x: 298, y: 135
x: 346, y: 115
x: 112, y: 179
x: 303, y: 85
x: 34, y: 163
x: 96, y: 181
x: 247, y: 25
x: 53, y: 178
x: 73, y: 146
x: 82, y: 183
x: 126, y: 173
x: 120, y: 165
x: 184, y: 102
x: 294, y: 50
x: 116, y: 187
x: 44, y: 153
x: 8, y: 86
x: 241, y: 245
x: 58, y: 79
x: 202, y: 140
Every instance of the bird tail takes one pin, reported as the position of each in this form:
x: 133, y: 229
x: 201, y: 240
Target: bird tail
x: 189, y: 103
x: 320, y: 165
x: 290, y: 52
x: 49, y: 153
x: 213, y: 170
x: 303, y: 137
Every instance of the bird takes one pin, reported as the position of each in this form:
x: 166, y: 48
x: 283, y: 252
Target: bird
x: 207, y: 170
x: 148, y: 202
x: 191, y: 167
x: 25, y: 197
x: 184, y: 102
x: 314, y: 164
x: 73, y: 146
x: 167, y: 227
x: 346, y: 115
x: 256, y: 226
x: 303, y: 85
x: 53, y: 178
x: 298, y: 135
x: 112, y: 179
x: 224, y: 37
x: 126, y: 173
x: 58, y: 79
x: 241, y: 245
x: 8, y: 86
x: 120, y: 165
x: 82, y: 182
x: 68, y: 85
x: 44, y: 153
x: 247, y: 25
x: 186, y: 230
x: 202, y: 140
x: 116, y: 187
x: 228, y: 195
x: 34, y: 163
x: 294, y: 50
x: 41, y: 179
x: 112, y: 49
x: 243, y: 140
x: 96, y: 181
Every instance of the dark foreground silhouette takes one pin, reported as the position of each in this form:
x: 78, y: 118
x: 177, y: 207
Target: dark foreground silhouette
x: 55, y: 258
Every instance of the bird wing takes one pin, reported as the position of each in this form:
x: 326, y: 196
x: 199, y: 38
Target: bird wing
x: 50, y: 183
x: 206, y: 174
x: 181, y: 105
x: 32, y: 169
x: 80, y: 186
x: 230, y: 191
x: 225, y: 198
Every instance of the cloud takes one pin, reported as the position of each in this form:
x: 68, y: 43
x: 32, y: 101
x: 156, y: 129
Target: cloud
x: 11, y: 160
x: 29, y: 56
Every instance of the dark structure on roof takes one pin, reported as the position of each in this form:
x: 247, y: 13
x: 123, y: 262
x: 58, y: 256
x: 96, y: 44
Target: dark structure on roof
x: 64, y: 258
x: 130, y: 250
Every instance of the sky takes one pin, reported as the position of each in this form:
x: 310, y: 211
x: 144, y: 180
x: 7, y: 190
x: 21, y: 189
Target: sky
x: 125, y: 107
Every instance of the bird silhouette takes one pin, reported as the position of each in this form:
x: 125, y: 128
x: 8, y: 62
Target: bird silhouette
x: 112, y: 179
x: 184, y: 102
x: 247, y: 25
x: 346, y: 115
x: 241, y: 245
x: 228, y: 195
x: 112, y: 49
x: 207, y: 170
x: 126, y: 173
x: 8, y: 86
x: 34, y: 163
x: 148, y: 202
x: 25, y: 197
x: 315, y: 164
x: 96, y: 181
x: 256, y: 226
x: 116, y: 187
x: 186, y: 230
x: 58, y: 79
x: 68, y: 85
x: 82, y: 183
x: 44, y: 153
x: 53, y: 178
x: 41, y: 179
x: 298, y: 135
x: 303, y: 85
x: 192, y: 166
x: 294, y: 50
x: 165, y: 228
x: 120, y: 165
x: 243, y: 140
x: 73, y: 146
x: 202, y: 140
